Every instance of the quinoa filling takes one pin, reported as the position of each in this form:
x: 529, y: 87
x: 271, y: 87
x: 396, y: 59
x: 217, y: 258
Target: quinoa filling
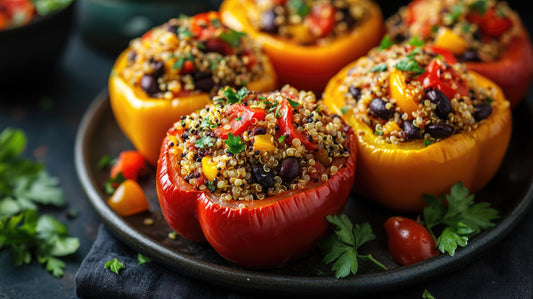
x: 190, y: 55
x: 406, y: 92
x: 250, y: 146
x: 484, y: 28
x: 309, y: 22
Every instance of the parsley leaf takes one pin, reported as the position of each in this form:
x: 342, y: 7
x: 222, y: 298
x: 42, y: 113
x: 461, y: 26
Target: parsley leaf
x: 114, y: 266
x: 299, y: 6
x: 142, y: 259
x: 23, y: 182
x: 341, y: 247
x: 293, y: 104
x: 234, y: 97
x: 206, y: 141
x: 235, y: 144
x: 461, y: 217
x: 408, y: 64
x: 385, y: 43
x: 46, y: 237
x: 379, y: 68
x: 232, y: 37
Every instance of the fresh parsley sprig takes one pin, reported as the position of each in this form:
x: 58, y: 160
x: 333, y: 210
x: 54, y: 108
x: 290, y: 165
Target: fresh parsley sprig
x: 27, y: 234
x: 461, y: 217
x: 23, y: 183
x: 341, y: 247
x: 235, y: 144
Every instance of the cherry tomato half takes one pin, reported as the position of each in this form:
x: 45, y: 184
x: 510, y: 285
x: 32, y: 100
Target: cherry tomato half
x: 409, y: 241
x: 443, y: 78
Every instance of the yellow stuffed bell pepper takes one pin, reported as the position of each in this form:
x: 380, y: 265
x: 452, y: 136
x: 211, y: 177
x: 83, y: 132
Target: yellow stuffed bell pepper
x: 172, y: 71
x: 459, y: 130
x: 308, y: 52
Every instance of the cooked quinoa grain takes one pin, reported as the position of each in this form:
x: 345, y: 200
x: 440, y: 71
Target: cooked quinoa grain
x: 309, y: 22
x: 251, y: 146
x: 406, y: 92
x: 191, y: 55
x: 481, y: 29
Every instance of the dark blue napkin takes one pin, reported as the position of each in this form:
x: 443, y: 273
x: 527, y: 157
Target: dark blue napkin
x: 506, y: 271
x: 149, y: 280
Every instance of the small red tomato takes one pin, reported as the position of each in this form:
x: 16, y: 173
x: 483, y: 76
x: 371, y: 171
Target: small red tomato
x: 131, y: 164
x: 409, y: 241
x: 321, y: 20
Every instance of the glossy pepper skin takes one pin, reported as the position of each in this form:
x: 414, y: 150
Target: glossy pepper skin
x: 306, y: 67
x: 397, y: 175
x: 145, y: 120
x: 264, y: 233
x: 513, y: 72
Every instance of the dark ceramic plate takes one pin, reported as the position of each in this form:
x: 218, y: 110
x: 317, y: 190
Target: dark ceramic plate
x: 511, y: 192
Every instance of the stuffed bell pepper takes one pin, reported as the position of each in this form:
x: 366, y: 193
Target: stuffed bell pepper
x: 255, y: 174
x: 487, y: 35
x: 308, y: 41
x: 423, y: 123
x: 173, y: 69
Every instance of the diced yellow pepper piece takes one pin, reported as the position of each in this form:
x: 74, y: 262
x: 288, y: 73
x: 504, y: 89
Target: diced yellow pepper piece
x: 264, y: 143
x: 128, y: 199
x: 449, y: 40
x: 390, y: 127
x: 209, y: 168
x: 400, y: 92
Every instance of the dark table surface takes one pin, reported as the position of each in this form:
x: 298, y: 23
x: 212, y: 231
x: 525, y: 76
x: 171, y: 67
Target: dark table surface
x: 50, y: 116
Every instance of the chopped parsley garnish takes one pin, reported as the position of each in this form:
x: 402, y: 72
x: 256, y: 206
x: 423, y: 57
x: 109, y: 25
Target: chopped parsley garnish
x: 282, y: 138
x: 479, y: 7
x: 293, y: 104
x: 409, y: 64
x: 211, y: 186
x: 345, y: 109
x: 386, y: 42
x: 235, y: 97
x: 142, y: 259
x: 112, y: 183
x: 232, y: 37
x: 114, y: 266
x: 461, y: 217
x: 184, y: 33
x: 341, y: 247
x: 379, y: 68
x: 104, y: 162
x: 235, y: 144
x: 206, y: 141
x: 416, y: 41
x: 299, y: 7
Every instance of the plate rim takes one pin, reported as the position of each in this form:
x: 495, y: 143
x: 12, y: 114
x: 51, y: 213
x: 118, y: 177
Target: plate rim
x: 251, y: 280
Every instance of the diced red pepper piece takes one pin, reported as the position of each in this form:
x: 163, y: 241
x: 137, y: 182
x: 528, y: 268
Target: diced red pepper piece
x: 243, y: 117
x: 444, y: 79
x: 131, y: 164
x: 491, y: 22
x: 287, y: 128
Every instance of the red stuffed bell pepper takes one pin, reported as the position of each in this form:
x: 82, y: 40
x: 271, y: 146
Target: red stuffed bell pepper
x: 256, y: 174
x: 487, y: 36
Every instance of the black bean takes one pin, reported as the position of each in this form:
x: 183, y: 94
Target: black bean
x: 158, y: 68
x: 259, y: 131
x: 200, y: 75
x: 131, y: 56
x: 443, y: 104
x: 482, y: 111
x: 347, y: 18
x: 378, y: 107
x: 173, y: 28
x: 290, y: 169
x: 149, y: 84
x: 471, y: 55
x: 355, y: 92
x: 268, y: 21
x: 411, y: 131
x: 265, y: 179
x: 439, y: 130
x: 205, y: 84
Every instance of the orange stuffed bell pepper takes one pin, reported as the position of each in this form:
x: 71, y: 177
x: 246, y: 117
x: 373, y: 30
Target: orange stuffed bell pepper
x: 256, y: 175
x: 316, y: 43
x: 173, y: 69
x: 487, y: 35
x: 423, y: 123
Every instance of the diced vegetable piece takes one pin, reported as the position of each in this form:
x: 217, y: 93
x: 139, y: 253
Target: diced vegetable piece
x: 128, y: 199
